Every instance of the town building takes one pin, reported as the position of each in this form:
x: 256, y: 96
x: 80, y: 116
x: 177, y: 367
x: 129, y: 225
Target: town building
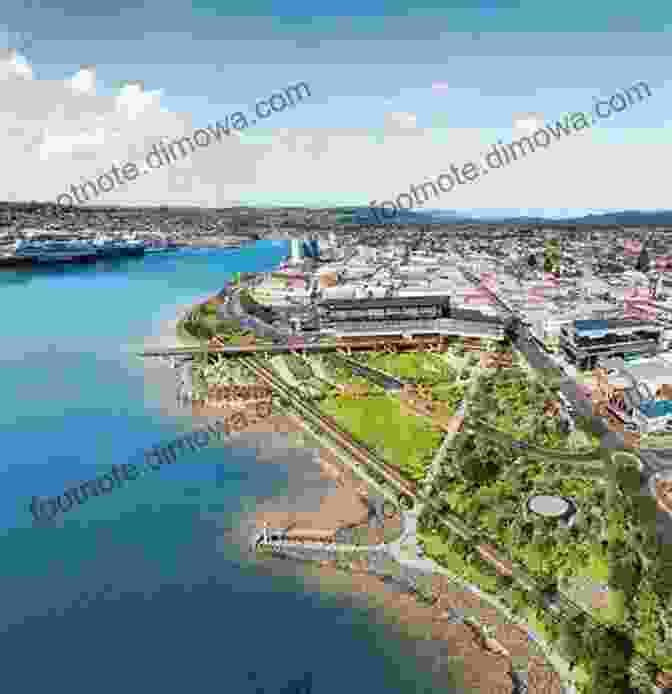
x: 584, y: 342
x: 383, y: 308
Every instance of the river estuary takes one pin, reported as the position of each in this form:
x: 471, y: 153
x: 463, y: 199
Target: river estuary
x: 150, y: 589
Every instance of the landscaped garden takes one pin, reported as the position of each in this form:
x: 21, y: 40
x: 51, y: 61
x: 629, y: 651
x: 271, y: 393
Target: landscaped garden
x: 203, y: 323
x: 528, y: 409
x: 611, y: 541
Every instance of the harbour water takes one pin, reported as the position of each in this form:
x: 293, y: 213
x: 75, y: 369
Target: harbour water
x: 149, y: 589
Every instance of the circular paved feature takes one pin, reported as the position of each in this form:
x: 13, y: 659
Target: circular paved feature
x: 548, y: 506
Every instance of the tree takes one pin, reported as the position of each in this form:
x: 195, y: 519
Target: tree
x: 571, y: 640
x: 624, y: 574
x: 648, y: 632
x: 661, y: 573
x: 611, y: 652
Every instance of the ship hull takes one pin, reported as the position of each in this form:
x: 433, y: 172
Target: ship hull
x: 47, y: 258
x: 119, y: 252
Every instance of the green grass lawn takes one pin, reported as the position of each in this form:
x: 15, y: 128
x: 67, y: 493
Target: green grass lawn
x: 597, y: 569
x: 411, y: 366
x: 403, y: 440
x: 580, y: 589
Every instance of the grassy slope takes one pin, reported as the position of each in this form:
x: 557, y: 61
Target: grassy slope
x: 402, y: 439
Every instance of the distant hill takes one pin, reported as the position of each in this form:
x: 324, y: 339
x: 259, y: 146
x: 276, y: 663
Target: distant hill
x: 634, y: 217
x: 364, y: 215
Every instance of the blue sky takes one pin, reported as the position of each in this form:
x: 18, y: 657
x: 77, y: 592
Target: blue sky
x: 397, y: 95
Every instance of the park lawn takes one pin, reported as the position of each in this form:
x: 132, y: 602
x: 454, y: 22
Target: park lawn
x: 597, y: 571
x: 405, y: 366
x: 411, y: 366
x: 580, y: 588
x: 405, y: 441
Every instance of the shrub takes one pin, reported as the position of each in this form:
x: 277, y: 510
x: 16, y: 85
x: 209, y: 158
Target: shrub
x: 200, y: 330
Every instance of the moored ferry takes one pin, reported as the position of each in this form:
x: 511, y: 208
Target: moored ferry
x: 55, y: 251
x: 113, y: 248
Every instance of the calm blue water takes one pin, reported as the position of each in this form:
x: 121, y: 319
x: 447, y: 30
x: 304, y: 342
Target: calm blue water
x: 143, y: 590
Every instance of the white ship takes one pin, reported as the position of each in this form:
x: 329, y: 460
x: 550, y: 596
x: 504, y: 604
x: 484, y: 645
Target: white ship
x: 112, y: 248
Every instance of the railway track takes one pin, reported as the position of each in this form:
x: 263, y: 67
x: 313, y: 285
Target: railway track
x: 359, y: 451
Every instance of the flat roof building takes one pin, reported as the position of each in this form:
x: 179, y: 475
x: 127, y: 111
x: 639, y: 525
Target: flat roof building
x: 584, y: 342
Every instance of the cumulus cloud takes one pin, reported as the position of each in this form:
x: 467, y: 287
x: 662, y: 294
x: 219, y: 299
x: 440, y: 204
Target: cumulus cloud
x: 85, y: 79
x: 60, y: 132
x: 401, y: 120
x: 528, y: 122
x: 14, y: 65
x: 134, y: 100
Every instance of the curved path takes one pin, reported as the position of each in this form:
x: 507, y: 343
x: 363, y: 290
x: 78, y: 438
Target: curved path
x: 408, y: 541
x: 545, y: 453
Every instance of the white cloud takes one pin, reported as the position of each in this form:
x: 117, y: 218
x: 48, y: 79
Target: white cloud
x: 528, y: 122
x: 14, y: 65
x: 85, y: 79
x: 134, y: 100
x: 54, y: 144
x: 60, y: 132
x: 406, y: 121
